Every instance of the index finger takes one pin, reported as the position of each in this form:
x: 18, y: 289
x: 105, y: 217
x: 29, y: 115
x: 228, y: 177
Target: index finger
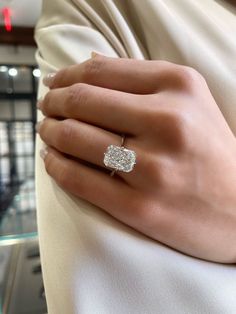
x: 123, y: 74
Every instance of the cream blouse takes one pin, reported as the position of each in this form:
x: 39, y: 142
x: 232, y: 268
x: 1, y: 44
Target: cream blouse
x: 91, y: 262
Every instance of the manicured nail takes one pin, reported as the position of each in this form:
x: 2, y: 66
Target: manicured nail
x: 39, y: 103
x: 95, y: 53
x: 38, y: 126
x: 43, y: 152
x: 48, y: 79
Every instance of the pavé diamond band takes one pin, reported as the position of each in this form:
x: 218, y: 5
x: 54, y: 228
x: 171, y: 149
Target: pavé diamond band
x: 119, y: 158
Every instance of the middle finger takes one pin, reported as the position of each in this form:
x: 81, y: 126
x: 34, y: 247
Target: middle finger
x: 109, y: 109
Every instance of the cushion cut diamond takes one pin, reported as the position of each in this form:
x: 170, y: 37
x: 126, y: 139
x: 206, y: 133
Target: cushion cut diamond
x: 120, y: 158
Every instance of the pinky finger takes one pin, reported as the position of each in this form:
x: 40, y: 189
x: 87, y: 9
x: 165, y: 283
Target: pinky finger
x: 91, y: 184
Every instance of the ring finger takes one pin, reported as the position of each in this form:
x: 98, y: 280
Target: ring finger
x: 83, y: 141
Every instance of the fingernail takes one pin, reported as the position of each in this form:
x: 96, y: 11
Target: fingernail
x: 39, y: 103
x: 38, y: 126
x: 48, y: 79
x: 43, y: 152
x: 95, y: 53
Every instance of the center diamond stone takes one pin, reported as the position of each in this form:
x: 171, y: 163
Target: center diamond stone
x: 120, y: 158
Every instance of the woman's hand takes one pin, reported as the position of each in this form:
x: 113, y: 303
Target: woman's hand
x: 182, y: 190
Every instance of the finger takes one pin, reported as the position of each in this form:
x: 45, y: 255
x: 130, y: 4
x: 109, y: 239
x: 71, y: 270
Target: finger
x: 78, y: 139
x: 128, y: 75
x: 84, y: 141
x: 90, y: 184
x: 109, y: 109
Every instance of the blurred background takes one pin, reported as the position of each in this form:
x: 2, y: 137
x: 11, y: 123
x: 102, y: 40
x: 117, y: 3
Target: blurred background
x: 21, y: 284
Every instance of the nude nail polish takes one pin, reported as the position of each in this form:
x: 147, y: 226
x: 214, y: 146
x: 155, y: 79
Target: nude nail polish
x: 43, y: 152
x: 95, y: 53
x: 48, y: 79
x: 39, y: 103
x: 38, y: 125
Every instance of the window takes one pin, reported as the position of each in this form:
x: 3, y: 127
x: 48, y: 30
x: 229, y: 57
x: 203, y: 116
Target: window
x: 18, y: 86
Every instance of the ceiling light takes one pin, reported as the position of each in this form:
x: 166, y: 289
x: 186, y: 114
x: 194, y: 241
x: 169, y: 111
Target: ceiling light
x: 36, y: 73
x: 12, y: 72
x: 3, y: 68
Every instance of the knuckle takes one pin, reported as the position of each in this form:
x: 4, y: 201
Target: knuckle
x: 145, y: 114
x: 187, y: 77
x: 72, y: 100
x: 65, y: 134
x: 77, y: 94
x: 92, y: 68
x: 178, y: 130
x: 171, y: 128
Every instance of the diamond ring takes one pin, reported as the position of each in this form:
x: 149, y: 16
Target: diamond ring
x: 119, y: 158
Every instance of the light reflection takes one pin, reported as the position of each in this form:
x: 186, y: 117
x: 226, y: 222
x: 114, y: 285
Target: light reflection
x: 12, y: 72
x: 36, y: 73
x: 3, y: 68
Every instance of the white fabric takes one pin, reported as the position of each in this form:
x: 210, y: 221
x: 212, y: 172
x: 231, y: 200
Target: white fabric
x: 92, y: 263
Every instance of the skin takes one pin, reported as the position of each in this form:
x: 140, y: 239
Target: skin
x: 181, y: 191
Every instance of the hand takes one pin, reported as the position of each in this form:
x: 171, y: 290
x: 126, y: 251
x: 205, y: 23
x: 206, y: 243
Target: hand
x: 182, y: 190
